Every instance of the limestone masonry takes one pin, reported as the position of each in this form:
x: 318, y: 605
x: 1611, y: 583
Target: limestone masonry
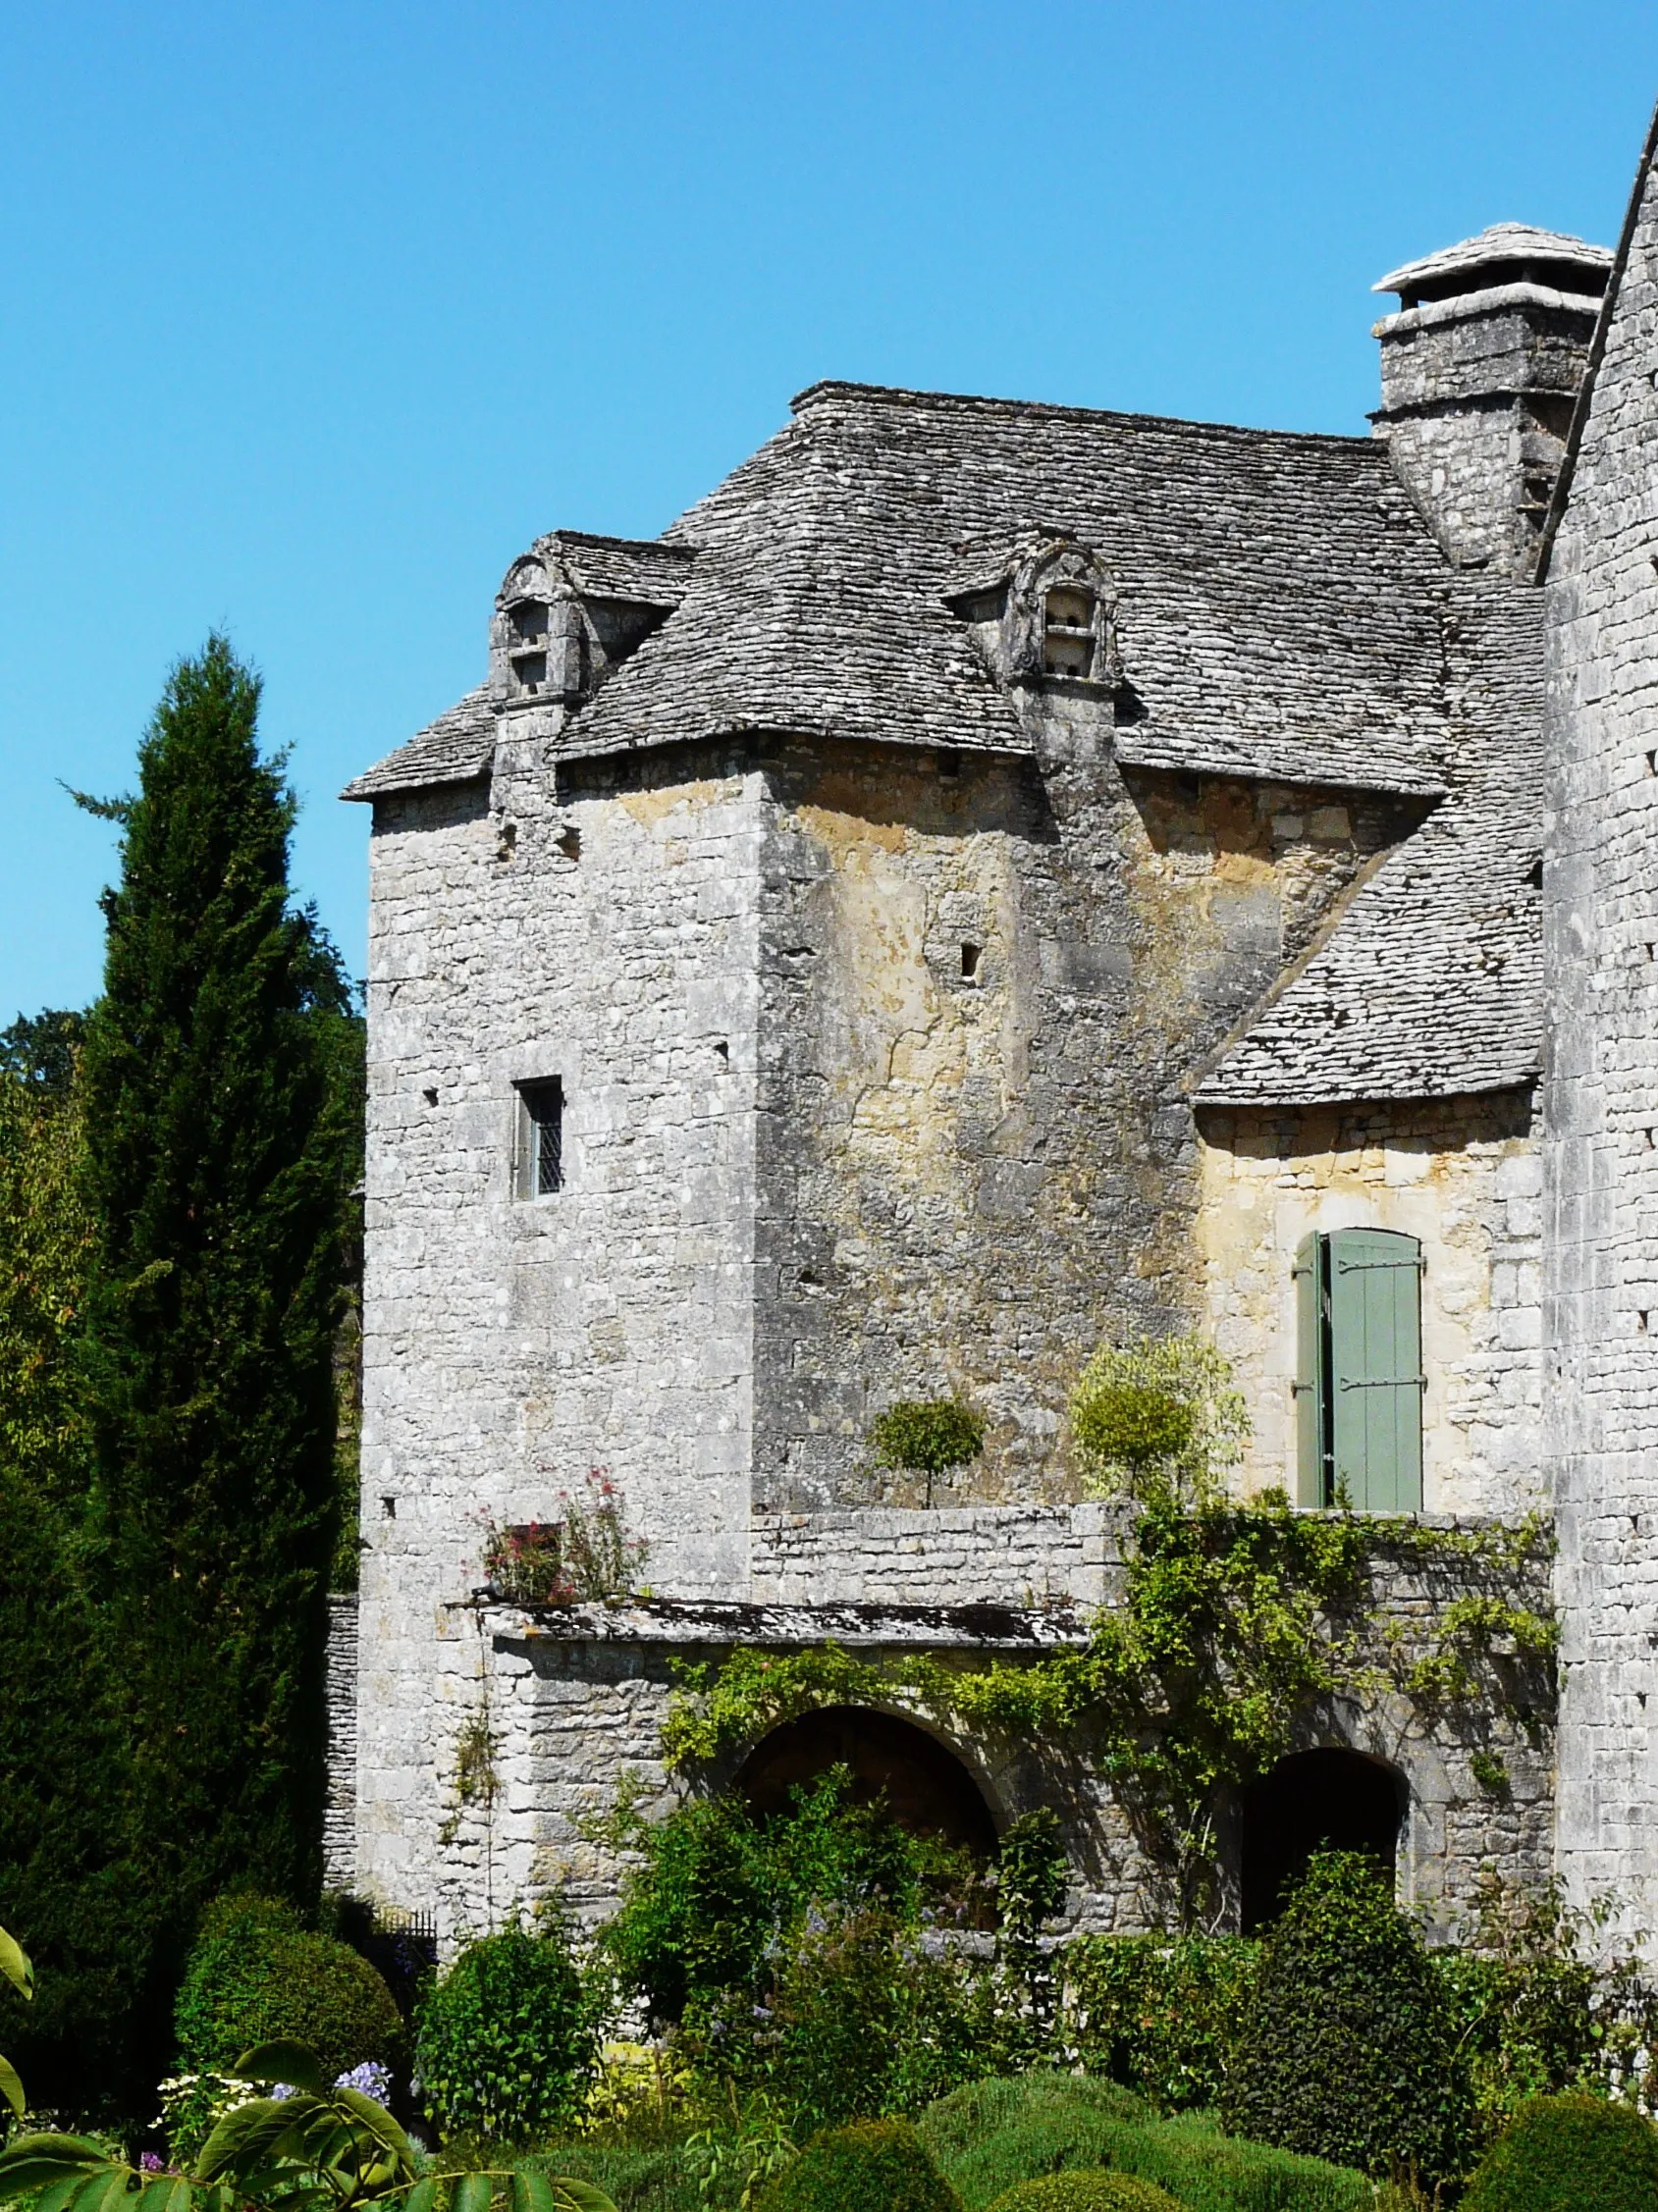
x: 992, y: 878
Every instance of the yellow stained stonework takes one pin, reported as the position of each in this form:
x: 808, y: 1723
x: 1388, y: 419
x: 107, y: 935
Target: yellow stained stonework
x: 1462, y: 1177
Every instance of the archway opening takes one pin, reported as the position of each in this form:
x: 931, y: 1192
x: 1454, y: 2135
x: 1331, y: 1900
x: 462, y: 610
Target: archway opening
x: 1314, y: 1801
x: 925, y: 1787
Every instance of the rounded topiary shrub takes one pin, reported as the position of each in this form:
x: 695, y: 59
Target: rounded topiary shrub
x: 1569, y: 2155
x: 871, y: 2166
x: 1086, y: 2189
x: 505, y: 2042
x: 256, y: 1974
x: 1345, y: 2050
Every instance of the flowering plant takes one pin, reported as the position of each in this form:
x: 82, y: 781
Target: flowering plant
x: 586, y: 1556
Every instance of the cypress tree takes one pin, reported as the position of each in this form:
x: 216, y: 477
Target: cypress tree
x: 217, y: 1151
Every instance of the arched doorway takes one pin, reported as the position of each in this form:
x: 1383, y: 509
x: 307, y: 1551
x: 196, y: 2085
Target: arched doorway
x: 1314, y: 1801
x: 926, y: 1788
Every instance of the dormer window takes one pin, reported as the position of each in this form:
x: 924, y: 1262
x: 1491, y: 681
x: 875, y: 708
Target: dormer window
x: 530, y: 674
x: 529, y: 622
x: 1068, y: 642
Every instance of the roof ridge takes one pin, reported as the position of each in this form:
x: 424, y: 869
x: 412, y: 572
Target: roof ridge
x: 987, y: 403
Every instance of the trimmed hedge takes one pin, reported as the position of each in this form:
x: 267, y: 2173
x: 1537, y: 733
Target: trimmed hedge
x: 993, y: 2135
x: 1570, y: 2154
x: 257, y: 1972
x: 1157, y: 2013
x: 1346, y: 2049
x: 1086, y: 2189
x: 505, y: 2042
x: 871, y: 2166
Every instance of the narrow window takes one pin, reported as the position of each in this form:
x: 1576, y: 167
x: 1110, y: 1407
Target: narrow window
x: 529, y: 673
x: 541, y: 1138
x: 529, y: 622
x: 970, y: 955
x: 1359, y: 1379
x: 1068, y: 633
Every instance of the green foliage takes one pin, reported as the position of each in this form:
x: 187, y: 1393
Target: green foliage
x: 1541, y: 2003
x: 257, y: 1976
x: 73, y: 1883
x: 314, y: 2148
x: 45, y: 1248
x: 1570, y: 2154
x: 927, y: 1436
x: 990, y: 2136
x: 1158, y: 2015
x: 1159, y: 1420
x: 870, y: 2166
x: 1086, y: 2189
x: 717, y: 1889
x: 507, y: 2039
x: 1346, y: 2049
x: 40, y: 1050
x: 225, y: 1130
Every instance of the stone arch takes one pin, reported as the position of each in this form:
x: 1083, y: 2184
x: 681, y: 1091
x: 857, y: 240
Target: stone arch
x: 1316, y: 1800
x: 927, y: 1788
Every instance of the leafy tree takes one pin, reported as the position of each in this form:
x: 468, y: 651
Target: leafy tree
x: 45, y: 1250
x: 220, y: 1137
x: 1346, y: 2049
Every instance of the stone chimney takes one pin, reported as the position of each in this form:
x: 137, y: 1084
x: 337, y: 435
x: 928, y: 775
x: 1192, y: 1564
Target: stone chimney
x: 1479, y: 370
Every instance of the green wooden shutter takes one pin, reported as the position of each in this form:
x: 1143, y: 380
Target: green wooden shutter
x: 1376, y: 1379
x: 1309, y: 1396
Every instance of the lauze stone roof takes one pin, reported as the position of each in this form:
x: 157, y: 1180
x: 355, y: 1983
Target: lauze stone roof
x: 1283, y: 613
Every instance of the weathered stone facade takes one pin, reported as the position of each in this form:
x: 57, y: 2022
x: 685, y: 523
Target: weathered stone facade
x: 991, y: 878
x: 1601, y: 916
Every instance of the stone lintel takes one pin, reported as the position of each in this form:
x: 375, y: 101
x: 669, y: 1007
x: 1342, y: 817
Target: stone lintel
x: 682, y: 1621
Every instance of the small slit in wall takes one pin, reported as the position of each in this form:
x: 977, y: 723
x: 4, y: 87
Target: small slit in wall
x: 970, y: 958
x: 569, y: 842
x: 723, y: 1050
x: 430, y: 1096
x: 1652, y: 763
x: 1643, y: 1324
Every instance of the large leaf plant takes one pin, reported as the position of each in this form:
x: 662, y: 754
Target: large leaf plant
x: 312, y: 2148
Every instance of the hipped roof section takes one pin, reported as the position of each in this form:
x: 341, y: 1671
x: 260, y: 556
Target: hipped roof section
x: 1283, y: 613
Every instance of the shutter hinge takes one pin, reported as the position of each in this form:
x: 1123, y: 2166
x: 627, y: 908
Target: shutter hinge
x: 1379, y: 1383
x: 1370, y: 1267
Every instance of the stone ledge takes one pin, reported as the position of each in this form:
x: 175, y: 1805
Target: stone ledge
x: 681, y: 1621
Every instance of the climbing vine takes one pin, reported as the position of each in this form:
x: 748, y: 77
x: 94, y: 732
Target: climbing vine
x: 1234, y: 1618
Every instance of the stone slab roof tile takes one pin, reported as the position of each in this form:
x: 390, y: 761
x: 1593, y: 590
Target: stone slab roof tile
x: 1429, y: 984
x: 457, y: 748
x: 1279, y: 602
x: 1501, y: 244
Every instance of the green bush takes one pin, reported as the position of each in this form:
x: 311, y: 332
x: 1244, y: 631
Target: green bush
x: 927, y: 1436
x: 506, y: 2040
x: 256, y: 1974
x: 1159, y: 2013
x: 993, y: 2135
x: 871, y: 2166
x: 1570, y: 2154
x: 1346, y: 2049
x: 636, y: 2178
x: 1088, y: 2188
x: 720, y: 1888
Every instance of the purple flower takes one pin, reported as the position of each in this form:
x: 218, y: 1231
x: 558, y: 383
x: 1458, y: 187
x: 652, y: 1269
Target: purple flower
x: 150, y: 2162
x: 369, y: 2079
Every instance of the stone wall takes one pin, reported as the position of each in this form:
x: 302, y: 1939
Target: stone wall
x: 1463, y: 1176
x: 1030, y: 1555
x: 575, y: 1717
x: 1600, y: 888
x: 340, y: 1812
x: 973, y: 1165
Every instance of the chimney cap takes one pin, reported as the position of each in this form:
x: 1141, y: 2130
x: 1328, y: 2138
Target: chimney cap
x: 1506, y: 247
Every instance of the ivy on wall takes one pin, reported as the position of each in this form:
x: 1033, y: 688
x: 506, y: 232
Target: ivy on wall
x: 1235, y: 1618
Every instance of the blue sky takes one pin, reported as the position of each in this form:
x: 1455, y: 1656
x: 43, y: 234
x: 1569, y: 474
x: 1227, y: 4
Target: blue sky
x: 312, y: 316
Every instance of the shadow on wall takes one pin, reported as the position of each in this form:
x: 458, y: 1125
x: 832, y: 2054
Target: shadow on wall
x: 926, y: 1788
x: 1314, y: 1801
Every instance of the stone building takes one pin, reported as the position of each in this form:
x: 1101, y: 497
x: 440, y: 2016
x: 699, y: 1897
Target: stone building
x: 989, y: 879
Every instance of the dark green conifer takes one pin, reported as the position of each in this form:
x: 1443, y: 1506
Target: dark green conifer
x: 217, y: 1149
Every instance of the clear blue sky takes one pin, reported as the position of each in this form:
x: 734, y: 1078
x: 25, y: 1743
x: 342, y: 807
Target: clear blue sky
x: 311, y: 316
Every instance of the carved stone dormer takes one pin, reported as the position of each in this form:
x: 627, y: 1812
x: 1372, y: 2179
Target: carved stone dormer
x: 1042, y: 611
x: 572, y: 609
